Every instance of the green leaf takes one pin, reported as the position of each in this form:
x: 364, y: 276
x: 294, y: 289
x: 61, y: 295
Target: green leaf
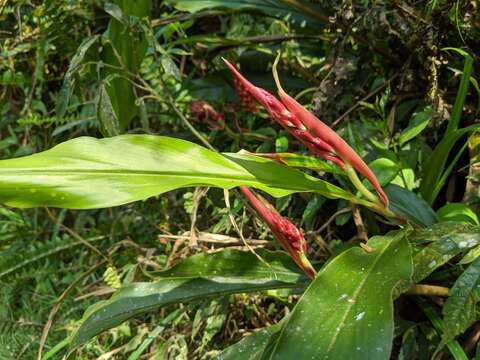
x: 445, y: 241
x: 410, y: 205
x: 88, y: 173
x: 460, y: 310
x: 155, y: 333
x: 296, y: 11
x: 211, y: 87
x: 347, y: 312
x: 128, y: 45
x: 384, y: 169
x: 461, y: 93
x: 105, y: 113
x: 455, y: 348
x: 281, y: 144
x: 434, y: 175
x: 198, y: 277
x: 418, y: 123
x: 471, y: 256
x: 459, y: 212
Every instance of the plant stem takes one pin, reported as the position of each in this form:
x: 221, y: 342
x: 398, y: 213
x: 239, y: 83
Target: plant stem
x: 352, y: 175
x: 428, y: 290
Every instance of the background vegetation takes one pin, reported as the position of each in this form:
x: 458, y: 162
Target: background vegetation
x: 390, y: 77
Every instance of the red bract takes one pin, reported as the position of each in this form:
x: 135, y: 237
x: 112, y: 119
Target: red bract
x: 246, y: 99
x: 288, y: 235
x: 317, y: 136
x: 342, y: 149
x: 280, y: 113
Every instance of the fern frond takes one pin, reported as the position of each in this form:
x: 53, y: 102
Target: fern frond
x: 21, y: 255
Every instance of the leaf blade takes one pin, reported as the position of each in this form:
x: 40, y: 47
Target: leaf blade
x: 88, y: 173
x: 200, y: 276
x: 332, y: 318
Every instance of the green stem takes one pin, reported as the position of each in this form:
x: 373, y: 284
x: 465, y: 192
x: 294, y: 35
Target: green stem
x: 352, y: 175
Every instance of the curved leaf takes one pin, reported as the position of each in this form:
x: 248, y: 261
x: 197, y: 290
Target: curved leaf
x: 200, y: 276
x: 65, y: 92
x: 298, y: 11
x: 458, y: 212
x: 434, y: 174
x: 89, y: 173
x: 418, y: 123
x: 347, y: 312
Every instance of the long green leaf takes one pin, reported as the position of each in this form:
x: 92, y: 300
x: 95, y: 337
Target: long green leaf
x: 295, y: 11
x: 455, y: 348
x: 418, y: 123
x: 461, y: 93
x: 155, y: 333
x: 200, y: 276
x: 347, y: 312
x: 435, y: 166
x: 89, y: 173
x: 128, y: 45
x: 434, y: 174
x: 460, y: 212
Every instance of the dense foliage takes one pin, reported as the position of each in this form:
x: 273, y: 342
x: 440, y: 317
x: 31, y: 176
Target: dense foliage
x: 139, y: 243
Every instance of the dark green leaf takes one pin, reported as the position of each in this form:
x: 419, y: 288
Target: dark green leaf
x: 298, y: 11
x: 434, y: 175
x: 460, y: 310
x: 212, y: 87
x: 68, y: 80
x: 105, y: 113
x: 454, y: 347
x: 128, y: 45
x: 410, y: 205
x: 198, y: 277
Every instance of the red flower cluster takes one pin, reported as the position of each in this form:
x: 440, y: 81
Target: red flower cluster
x: 288, y: 235
x: 246, y: 99
x: 310, y: 130
x: 206, y: 113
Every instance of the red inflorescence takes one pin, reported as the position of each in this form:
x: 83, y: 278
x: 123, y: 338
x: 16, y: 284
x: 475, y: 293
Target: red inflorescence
x: 306, y: 127
x: 294, y: 236
x: 246, y: 99
x: 206, y: 113
x: 287, y: 234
